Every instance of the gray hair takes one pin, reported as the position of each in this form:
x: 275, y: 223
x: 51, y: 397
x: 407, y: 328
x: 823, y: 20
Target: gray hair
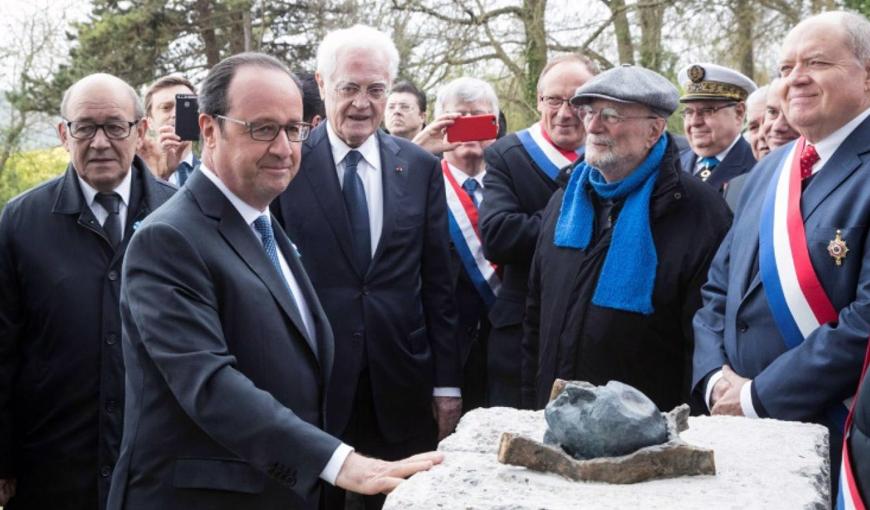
x: 138, y: 109
x: 213, y: 98
x: 466, y: 90
x: 759, y: 95
x: 357, y: 37
x: 856, y: 28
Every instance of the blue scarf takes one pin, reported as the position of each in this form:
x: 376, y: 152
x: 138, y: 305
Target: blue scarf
x: 627, y: 279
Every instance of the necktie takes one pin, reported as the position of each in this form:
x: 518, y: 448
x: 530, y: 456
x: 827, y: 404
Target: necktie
x: 183, y: 172
x: 111, y: 202
x: 470, y: 186
x: 707, y: 166
x: 809, y: 157
x: 263, y: 226
x: 357, y: 210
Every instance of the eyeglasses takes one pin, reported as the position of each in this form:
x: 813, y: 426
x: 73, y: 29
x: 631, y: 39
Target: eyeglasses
x: 609, y: 116
x: 114, y: 130
x: 268, y: 131
x: 555, y: 102
x: 374, y: 92
x: 402, y: 107
x: 705, y: 112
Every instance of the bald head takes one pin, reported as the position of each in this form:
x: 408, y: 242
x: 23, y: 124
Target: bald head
x: 105, y: 86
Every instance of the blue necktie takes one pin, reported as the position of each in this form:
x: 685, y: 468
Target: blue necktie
x: 470, y: 186
x: 263, y: 226
x: 357, y: 211
x: 183, y: 172
x: 111, y: 202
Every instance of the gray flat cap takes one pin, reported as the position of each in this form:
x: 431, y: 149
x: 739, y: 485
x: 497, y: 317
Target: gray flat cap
x: 631, y: 84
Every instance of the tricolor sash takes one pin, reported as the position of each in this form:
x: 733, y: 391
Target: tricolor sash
x: 542, y: 152
x: 848, y: 495
x: 465, y: 234
x: 797, y: 300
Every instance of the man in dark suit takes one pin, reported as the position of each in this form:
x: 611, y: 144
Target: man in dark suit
x: 859, y: 441
x: 369, y: 216
x: 170, y: 158
x: 61, y: 247
x: 714, y: 110
x: 227, y: 348
x: 783, y: 329
x: 522, y: 172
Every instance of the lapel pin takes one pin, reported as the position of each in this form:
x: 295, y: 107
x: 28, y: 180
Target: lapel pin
x: 838, y: 249
x: 399, y: 169
x: 136, y: 225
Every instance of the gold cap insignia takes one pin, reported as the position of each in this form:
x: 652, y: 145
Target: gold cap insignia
x: 837, y: 249
x: 696, y: 73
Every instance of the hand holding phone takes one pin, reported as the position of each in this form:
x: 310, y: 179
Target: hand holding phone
x: 473, y: 128
x: 187, y: 116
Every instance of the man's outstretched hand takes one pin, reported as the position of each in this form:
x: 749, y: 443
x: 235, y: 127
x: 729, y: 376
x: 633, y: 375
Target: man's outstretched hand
x: 368, y: 476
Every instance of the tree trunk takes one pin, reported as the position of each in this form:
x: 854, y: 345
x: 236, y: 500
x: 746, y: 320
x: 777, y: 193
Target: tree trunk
x: 651, y: 20
x: 622, y: 29
x: 744, y: 18
x: 536, y: 50
x: 205, y: 12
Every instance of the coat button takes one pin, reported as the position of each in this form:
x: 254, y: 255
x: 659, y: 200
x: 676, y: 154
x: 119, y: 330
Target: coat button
x: 111, y: 338
x: 742, y: 327
x: 105, y: 471
x: 365, y: 291
x: 357, y: 335
x: 113, y: 275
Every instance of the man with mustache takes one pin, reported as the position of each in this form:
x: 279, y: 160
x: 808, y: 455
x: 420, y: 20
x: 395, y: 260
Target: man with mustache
x: 623, y: 251
x: 784, y: 326
x: 522, y: 172
x: 61, y: 246
x: 713, y: 113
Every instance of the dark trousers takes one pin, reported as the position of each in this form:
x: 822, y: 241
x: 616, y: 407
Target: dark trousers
x: 364, y: 435
x: 504, y: 365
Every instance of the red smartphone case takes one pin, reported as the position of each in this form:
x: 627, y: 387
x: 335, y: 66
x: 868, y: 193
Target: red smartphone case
x: 473, y: 128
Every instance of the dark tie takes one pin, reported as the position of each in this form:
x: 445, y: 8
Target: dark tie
x: 809, y: 157
x: 357, y: 210
x: 706, y: 167
x: 470, y: 186
x: 263, y: 226
x: 111, y: 202
x: 183, y: 172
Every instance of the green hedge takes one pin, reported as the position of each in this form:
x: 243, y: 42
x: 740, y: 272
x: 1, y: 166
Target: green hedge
x: 25, y: 170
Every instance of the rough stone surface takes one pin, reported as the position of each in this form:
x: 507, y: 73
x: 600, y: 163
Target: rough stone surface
x: 590, y: 421
x: 759, y: 464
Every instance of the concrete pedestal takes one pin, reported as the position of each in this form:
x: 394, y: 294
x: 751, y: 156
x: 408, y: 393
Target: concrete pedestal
x: 759, y: 464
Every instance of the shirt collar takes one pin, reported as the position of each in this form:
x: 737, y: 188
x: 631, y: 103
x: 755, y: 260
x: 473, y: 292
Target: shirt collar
x: 721, y: 155
x: 248, y: 212
x: 461, y: 176
x: 122, y: 189
x: 368, y: 149
x: 188, y: 158
x: 828, y: 145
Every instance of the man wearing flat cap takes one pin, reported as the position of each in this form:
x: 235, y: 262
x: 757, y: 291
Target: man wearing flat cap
x: 714, y: 108
x: 623, y: 250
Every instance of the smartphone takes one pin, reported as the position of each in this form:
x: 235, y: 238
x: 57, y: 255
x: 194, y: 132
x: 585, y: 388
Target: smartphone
x: 187, y: 116
x: 473, y: 128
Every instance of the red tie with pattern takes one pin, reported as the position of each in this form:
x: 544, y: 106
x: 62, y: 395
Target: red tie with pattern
x: 809, y: 157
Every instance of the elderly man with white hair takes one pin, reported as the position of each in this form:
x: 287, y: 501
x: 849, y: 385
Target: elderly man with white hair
x: 784, y: 326
x: 369, y: 216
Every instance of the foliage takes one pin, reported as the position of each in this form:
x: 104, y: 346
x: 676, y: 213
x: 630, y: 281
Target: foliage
x: 25, y: 170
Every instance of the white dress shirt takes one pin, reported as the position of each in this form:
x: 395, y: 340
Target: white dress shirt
x: 461, y: 177
x: 123, y: 189
x: 369, y: 170
x: 825, y: 148
x: 249, y: 214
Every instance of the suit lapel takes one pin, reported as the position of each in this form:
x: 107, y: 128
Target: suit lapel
x: 840, y: 167
x: 244, y: 242
x: 736, y: 162
x: 291, y: 257
x: 324, y: 183
x: 393, y: 174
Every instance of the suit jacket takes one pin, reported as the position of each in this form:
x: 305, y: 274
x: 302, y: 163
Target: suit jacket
x: 224, y: 386
x: 859, y: 440
x: 738, y: 161
x: 398, y: 317
x: 61, y: 370
x: 735, y: 326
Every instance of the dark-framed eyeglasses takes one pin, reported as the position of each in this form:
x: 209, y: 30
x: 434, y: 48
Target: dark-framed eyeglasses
x: 114, y: 129
x: 555, y: 102
x: 268, y: 131
x: 375, y: 92
x: 705, y: 112
x: 608, y: 116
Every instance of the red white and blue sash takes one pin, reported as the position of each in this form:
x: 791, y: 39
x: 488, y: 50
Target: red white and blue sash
x: 796, y: 298
x: 543, y: 153
x: 848, y: 495
x: 465, y: 234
